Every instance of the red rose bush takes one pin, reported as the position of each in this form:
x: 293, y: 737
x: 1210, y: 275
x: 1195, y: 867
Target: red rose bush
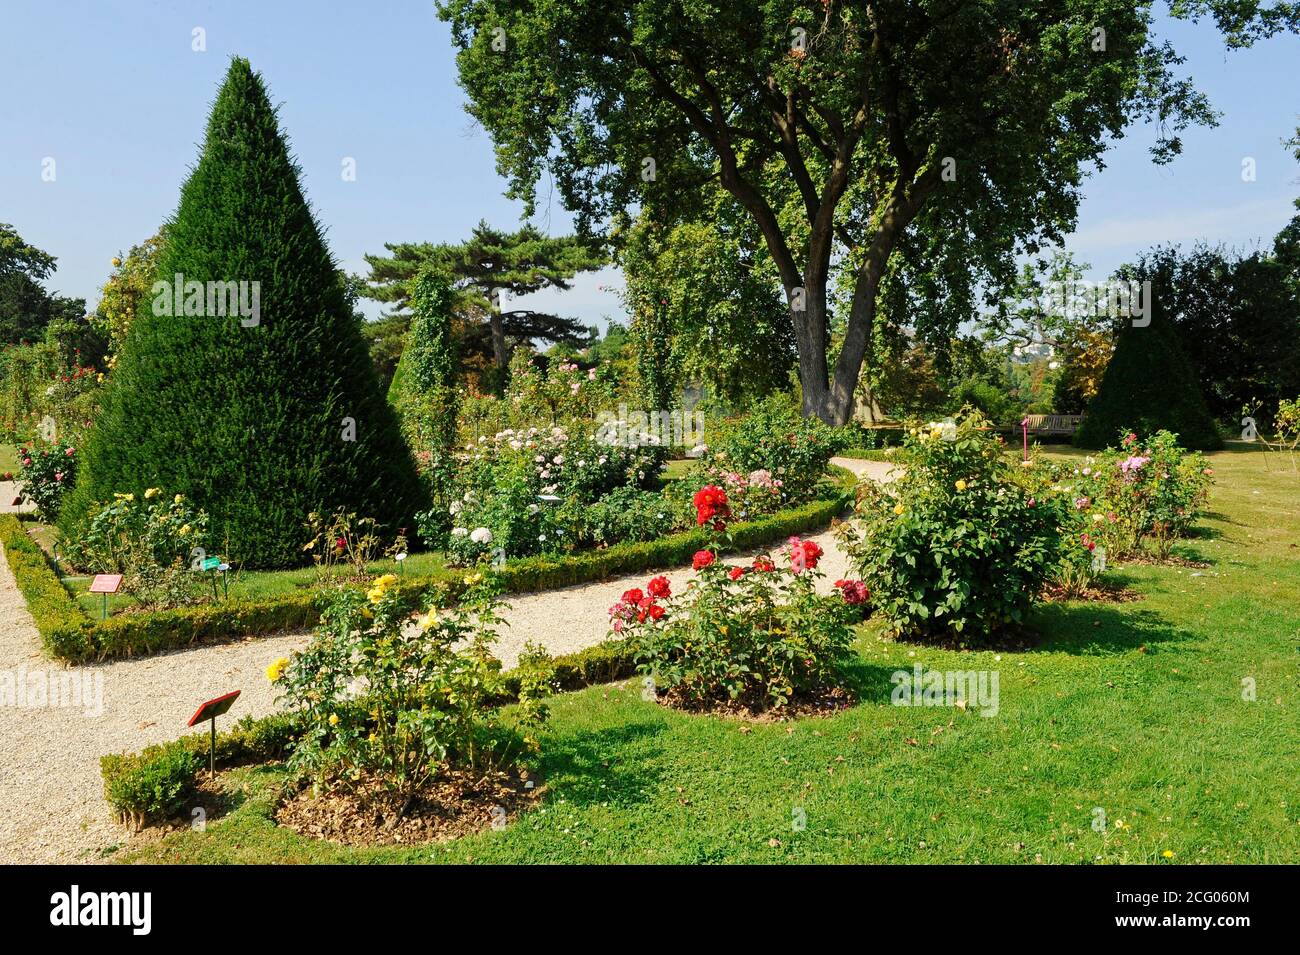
x: 755, y: 634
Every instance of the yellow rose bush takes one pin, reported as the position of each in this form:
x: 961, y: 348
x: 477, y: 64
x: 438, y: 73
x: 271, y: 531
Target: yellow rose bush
x: 394, y: 690
x: 954, y: 549
x: 148, y: 539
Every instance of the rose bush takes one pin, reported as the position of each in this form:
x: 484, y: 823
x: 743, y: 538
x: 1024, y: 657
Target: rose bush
x: 394, y: 690
x: 774, y: 443
x: 529, y: 489
x: 955, y: 548
x: 48, y: 471
x: 149, y: 539
x: 754, y: 634
x: 1139, y: 496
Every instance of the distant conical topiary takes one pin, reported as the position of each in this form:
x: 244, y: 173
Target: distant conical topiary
x: 1149, y: 385
x: 246, y: 384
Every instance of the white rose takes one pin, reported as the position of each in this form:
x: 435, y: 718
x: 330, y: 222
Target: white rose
x: 481, y: 535
x: 459, y: 532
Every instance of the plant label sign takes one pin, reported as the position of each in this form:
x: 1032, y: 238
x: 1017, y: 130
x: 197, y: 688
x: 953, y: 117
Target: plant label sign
x: 105, y: 584
x: 212, y: 563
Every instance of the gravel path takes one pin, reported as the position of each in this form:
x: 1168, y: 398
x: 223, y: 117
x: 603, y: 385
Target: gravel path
x: 51, y: 800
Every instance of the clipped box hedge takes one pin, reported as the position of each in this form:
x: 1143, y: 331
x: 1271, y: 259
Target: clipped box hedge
x: 71, y: 635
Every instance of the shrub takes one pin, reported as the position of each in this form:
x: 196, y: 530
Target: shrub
x: 1143, y: 493
x: 154, y: 784
x: 758, y: 635
x: 340, y: 540
x: 48, y: 471
x: 431, y: 696
x: 59, y: 620
x: 1150, y: 386
x: 423, y: 389
x: 1287, y: 421
x: 954, y: 548
x: 525, y: 491
x: 628, y: 514
x: 257, y: 424
x: 149, y: 540
x: 152, y: 787
x: 774, y: 437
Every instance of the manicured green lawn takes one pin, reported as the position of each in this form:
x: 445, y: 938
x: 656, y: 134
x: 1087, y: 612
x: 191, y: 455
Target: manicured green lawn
x: 1132, y: 708
x: 9, y: 459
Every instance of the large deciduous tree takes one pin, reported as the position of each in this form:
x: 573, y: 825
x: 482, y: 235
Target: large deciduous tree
x: 957, y: 129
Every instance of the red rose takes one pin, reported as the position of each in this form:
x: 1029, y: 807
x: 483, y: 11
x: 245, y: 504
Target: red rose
x: 702, y: 559
x: 854, y: 592
x: 711, y: 507
x: 736, y: 573
x: 655, y: 611
x: 804, y: 554
x: 659, y: 587
x: 633, y: 596
x: 764, y: 564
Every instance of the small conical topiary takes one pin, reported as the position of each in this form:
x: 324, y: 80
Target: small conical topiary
x: 1149, y: 385
x: 245, y: 384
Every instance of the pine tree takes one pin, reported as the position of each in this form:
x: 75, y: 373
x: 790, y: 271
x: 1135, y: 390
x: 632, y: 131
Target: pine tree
x: 1149, y: 385
x: 260, y: 406
x: 490, y: 262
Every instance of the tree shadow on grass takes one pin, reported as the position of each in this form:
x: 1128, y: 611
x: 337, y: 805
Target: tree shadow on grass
x: 1094, y: 629
x: 617, y: 765
x: 870, y: 682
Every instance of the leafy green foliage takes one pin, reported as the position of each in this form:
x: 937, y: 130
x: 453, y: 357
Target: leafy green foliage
x: 424, y: 386
x: 1141, y: 494
x: 704, y: 309
x: 953, y: 549
x: 251, y: 422
x: 489, y: 263
x: 773, y: 437
x: 1238, y: 322
x: 149, y: 540
x: 955, y: 140
x: 154, y: 788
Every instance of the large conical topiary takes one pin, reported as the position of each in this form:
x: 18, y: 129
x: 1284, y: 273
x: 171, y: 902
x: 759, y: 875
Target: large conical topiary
x: 261, y: 416
x: 1149, y: 385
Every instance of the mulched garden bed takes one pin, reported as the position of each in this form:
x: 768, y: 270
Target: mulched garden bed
x: 458, y: 803
x: 1095, y: 594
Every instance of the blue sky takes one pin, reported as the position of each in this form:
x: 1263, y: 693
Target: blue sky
x: 113, y: 91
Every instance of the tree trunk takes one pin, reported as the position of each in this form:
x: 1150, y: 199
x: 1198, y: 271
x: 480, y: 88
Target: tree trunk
x: 810, y: 339
x: 498, y: 339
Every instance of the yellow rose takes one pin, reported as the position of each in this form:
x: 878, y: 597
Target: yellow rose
x: 150, y: 493
x: 898, y: 508
x: 185, y: 529
x: 276, y: 670
x: 334, y: 719
x: 116, y: 261
x: 178, y: 498
x: 960, y: 485
x: 380, y: 587
x: 429, y: 620
x: 128, y: 497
